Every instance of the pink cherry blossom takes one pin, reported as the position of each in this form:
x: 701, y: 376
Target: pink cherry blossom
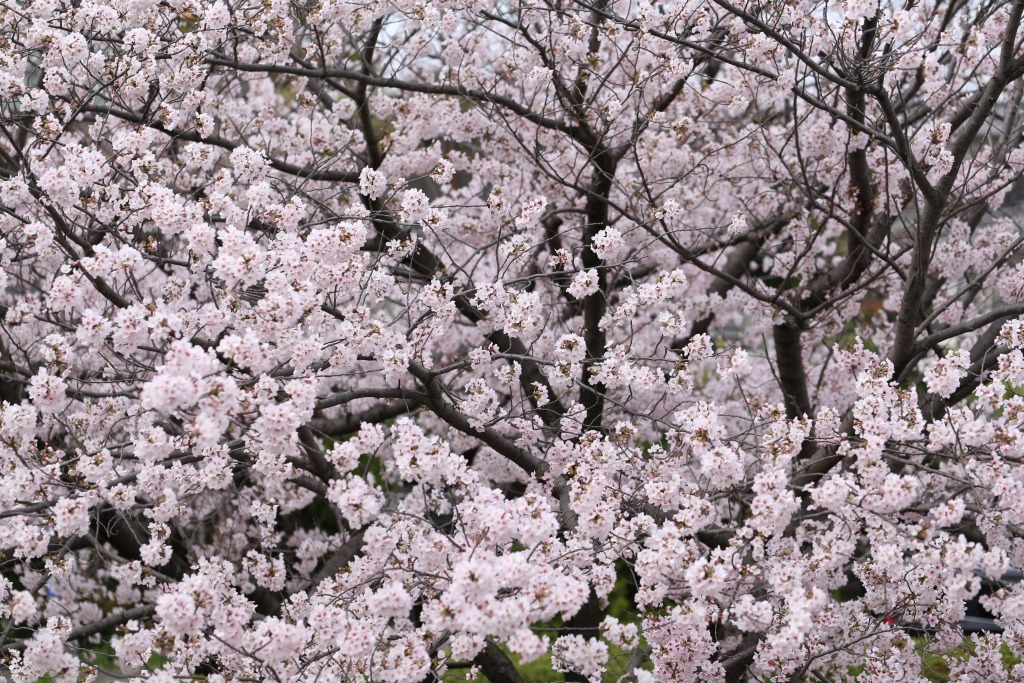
x: 414, y: 341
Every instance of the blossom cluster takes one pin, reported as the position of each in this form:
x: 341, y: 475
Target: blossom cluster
x: 416, y: 341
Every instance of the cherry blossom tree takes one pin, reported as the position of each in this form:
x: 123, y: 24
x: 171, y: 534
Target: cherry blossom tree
x: 408, y: 341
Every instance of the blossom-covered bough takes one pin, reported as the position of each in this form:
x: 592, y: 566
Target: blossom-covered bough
x: 402, y: 342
